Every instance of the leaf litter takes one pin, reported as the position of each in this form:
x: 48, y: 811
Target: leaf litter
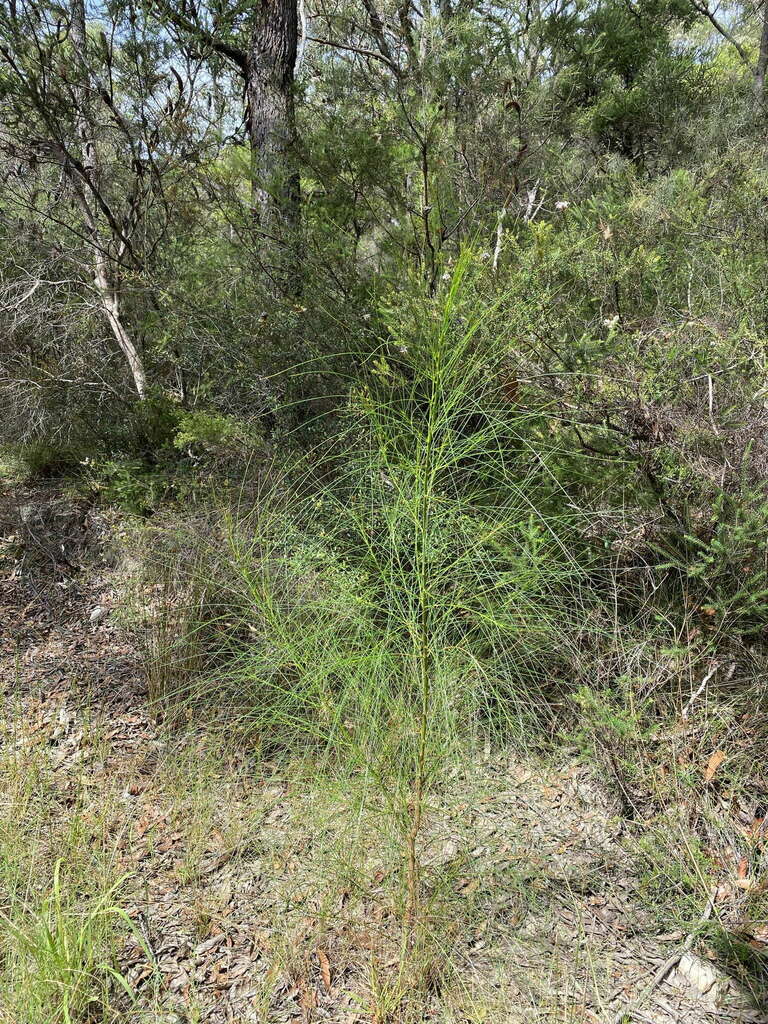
x: 238, y: 916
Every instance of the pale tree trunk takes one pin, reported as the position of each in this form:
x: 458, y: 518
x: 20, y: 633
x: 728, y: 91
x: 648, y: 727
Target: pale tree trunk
x: 102, y: 269
x: 271, y: 116
x: 762, y: 58
x: 110, y: 301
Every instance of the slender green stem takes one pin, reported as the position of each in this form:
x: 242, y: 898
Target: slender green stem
x: 426, y: 474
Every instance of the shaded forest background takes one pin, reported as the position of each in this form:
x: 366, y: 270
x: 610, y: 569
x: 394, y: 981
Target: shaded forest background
x: 215, y: 220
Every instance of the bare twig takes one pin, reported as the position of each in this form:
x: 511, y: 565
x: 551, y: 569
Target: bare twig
x: 356, y: 49
x: 700, y: 690
x: 499, y: 237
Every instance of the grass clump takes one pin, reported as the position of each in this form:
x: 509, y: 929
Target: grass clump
x: 61, y: 920
x: 60, y: 954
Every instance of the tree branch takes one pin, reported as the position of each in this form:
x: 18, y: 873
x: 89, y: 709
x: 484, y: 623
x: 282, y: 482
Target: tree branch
x: 238, y: 57
x: 719, y: 27
x: 377, y: 27
x: 358, y: 49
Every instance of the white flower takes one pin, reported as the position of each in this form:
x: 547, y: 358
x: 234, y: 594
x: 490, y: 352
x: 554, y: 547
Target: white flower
x: 562, y: 204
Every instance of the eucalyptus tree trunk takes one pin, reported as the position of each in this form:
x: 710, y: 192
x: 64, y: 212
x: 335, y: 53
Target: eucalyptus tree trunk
x: 271, y: 60
x: 267, y: 66
x: 86, y: 191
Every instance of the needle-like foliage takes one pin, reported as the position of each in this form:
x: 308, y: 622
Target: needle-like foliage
x: 416, y: 599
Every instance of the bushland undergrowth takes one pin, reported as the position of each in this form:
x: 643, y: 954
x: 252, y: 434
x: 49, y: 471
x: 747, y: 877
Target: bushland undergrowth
x: 458, y: 445
x: 399, y: 599
x: 422, y: 586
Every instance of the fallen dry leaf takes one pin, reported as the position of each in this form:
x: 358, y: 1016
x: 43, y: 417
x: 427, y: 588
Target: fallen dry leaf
x: 325, y: 969
x: 746, y: 883
x: 714, y: 762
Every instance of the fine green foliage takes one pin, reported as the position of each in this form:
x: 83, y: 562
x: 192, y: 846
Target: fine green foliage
x: 415, y: 601
x: 59, y: 954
